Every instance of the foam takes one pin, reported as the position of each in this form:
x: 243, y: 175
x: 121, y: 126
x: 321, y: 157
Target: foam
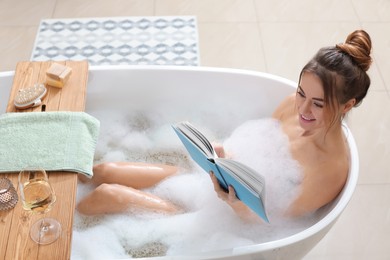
x: 207, y: 223
x: 262, y: 145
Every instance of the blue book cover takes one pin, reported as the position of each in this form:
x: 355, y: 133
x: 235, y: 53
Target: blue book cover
x: 247, y: 183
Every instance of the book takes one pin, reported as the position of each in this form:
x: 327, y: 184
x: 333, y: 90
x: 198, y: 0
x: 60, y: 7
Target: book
x: 247, y: 183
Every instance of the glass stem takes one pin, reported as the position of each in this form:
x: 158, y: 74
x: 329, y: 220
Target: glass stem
x: 44, y: 227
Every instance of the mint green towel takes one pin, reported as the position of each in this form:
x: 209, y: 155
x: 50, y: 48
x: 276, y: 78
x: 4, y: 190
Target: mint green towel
x: 54, y: 141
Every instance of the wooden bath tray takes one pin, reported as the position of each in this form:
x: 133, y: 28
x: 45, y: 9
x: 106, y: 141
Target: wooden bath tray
x: 15, y: 224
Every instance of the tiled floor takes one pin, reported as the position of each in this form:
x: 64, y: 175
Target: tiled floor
x: 278, y: 37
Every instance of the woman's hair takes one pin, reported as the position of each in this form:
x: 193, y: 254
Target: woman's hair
x: 342, y: 69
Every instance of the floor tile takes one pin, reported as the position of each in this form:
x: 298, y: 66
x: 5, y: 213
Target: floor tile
x: 289, y: 46
x: 305, y: 10
x: 232, y: 45
x: 15, y: 45
x: 380, y: 36
x: 370, y: 124
x: 363, y: 229
x: 377, y: 81
x: 102, y: 8
x: 209, y: 10
x: 372, y: 10
x: 24, y: 12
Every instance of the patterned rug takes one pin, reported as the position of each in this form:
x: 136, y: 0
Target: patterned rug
x: 166, y: 40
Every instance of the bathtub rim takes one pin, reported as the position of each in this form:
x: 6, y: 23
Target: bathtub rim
x: 327, y: 220
x: 7, y: 73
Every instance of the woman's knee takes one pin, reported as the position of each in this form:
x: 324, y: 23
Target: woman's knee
x: 105, y: 198
x: 101, y: 172
x: 100, y: 168
x: 105, y: 189
x: 113, y: 193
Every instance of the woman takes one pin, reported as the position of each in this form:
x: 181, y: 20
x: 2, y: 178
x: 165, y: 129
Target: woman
x: 330, y: 85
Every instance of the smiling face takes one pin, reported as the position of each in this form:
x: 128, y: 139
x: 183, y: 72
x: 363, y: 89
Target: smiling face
x: 312, y: 111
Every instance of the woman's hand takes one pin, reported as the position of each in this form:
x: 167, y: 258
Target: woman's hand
x: 230, y: 196
x: 218, y: 148
x: 231, y: 199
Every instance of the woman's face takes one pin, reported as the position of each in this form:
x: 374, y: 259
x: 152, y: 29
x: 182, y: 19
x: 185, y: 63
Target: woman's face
x: 310, y: 103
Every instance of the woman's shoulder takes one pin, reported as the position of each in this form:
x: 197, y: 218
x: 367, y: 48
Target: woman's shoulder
x: 285, y: 107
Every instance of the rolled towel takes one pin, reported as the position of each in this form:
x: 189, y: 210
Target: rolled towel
x: 54, y: 141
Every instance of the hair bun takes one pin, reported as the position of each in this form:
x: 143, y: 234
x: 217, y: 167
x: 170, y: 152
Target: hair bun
x: 358, y: 46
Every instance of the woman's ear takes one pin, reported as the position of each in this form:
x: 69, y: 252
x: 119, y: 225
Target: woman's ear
x: 349, y: 105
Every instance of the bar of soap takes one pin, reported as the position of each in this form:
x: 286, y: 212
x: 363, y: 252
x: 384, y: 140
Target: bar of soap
x: 57, y: 75
x: 54, y: 83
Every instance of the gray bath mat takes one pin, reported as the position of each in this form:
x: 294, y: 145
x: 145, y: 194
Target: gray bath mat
x: 154, y: 40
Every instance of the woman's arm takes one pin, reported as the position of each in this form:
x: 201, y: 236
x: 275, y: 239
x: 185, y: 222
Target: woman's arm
x: 321, y: 185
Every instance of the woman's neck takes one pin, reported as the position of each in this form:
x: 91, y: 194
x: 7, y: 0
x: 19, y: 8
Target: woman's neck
x: 323, y: 137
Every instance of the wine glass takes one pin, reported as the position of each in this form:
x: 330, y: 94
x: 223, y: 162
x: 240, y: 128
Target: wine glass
x: 38, y: 196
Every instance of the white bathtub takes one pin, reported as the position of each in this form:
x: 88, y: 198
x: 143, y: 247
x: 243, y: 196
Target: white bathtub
x: 197, y: 91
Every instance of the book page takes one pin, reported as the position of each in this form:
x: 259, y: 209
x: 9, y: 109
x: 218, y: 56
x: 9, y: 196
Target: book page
x: 197, y: 138
x: 244, y: 174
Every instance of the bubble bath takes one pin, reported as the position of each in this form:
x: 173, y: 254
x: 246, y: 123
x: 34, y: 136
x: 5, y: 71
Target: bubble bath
x: 207, y: 223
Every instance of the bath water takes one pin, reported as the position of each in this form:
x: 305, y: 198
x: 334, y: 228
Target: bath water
x: 207, y: 223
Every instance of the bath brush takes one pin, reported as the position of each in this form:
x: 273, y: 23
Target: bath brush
x: 30, y: 97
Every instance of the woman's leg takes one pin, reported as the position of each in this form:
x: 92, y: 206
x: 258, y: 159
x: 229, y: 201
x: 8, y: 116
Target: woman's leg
x: 136, y: 175
x: 114, y: 198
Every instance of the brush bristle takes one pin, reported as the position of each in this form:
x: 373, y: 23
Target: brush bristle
x: 28, y: 95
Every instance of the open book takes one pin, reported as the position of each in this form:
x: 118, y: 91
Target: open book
x: 247, y: 183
